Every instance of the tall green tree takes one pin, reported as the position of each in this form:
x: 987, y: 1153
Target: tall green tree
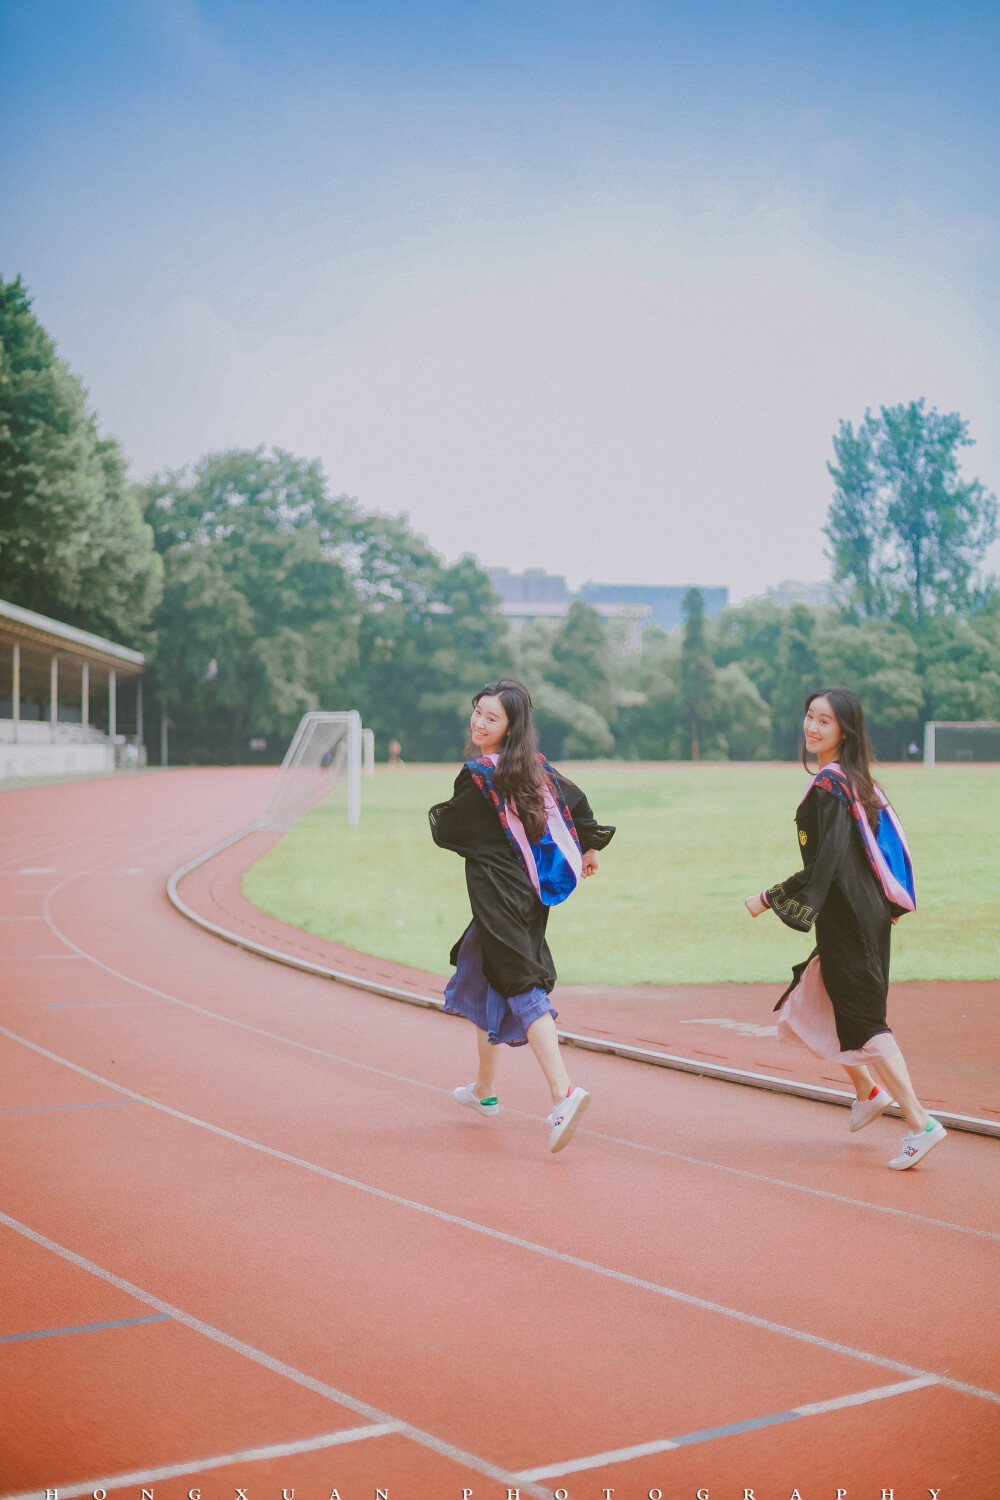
x: 568, y: 725
x: 581, y: 658
x: 429, y: 638
x: 281, y: 599
x: 961, y: 665
x: 697, y: 671
x: 855, y: 522
x: 907, y: 532
x: 73, y: 543
x: 259, y: 618
x: 798, y: 673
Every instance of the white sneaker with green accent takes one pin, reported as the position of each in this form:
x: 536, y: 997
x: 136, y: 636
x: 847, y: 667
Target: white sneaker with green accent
x: 917, y: 1143
x: 466, y: 1094
x: 566, y: 1117
x: 864, y: 1111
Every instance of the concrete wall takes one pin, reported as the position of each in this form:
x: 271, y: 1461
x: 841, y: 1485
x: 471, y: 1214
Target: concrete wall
x: 55, y: 760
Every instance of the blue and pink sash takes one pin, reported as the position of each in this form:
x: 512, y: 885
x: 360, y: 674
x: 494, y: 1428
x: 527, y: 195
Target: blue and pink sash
x: 888, y: 852
x: 555, y: 862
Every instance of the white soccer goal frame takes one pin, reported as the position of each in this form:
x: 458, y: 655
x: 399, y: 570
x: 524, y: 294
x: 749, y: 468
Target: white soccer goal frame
x: 933, y: 725
x: 353, y: 721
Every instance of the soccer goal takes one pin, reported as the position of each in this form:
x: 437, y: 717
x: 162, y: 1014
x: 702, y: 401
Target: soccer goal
x: 954, y: 740
x: 325, y: 749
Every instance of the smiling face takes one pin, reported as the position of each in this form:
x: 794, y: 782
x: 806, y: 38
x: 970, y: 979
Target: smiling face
x: 489, y: 725
x: 823, y: 735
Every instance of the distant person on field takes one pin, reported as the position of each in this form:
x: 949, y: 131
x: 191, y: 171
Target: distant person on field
x: 527, y: 835
x: 856, y: 881
x: 396, y: 754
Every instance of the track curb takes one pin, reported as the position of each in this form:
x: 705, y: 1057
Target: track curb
x: 802, y: 1090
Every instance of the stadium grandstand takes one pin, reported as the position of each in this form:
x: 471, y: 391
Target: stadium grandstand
x: 62, y: 712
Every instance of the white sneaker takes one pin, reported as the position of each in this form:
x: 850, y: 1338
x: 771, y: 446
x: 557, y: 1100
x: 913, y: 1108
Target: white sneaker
x: 566, y: 1117
x: 864, y: 1111
x: 466, y: 1094
x: 917, y: 1143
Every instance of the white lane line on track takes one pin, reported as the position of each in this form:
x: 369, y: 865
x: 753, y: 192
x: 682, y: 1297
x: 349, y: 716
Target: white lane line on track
x: 727, y: 1429
x: 7, y: 866
x: 11, y: 865
x: 277, y: 1366
x: 623, y: 1278
x: 797, y: 1187
x: 198, y: 1466
x: 351, y: 1062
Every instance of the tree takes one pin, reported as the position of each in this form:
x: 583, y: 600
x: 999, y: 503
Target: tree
x: 798, y: 673
x: 429, y: 639
x: 907, y: 532
x: 73, y: 543
x: 580, y: 656
x: 697, y: 670
x: 854, y: 521
x: 564, y: 687
x: 880, y: 660
x: 961, y: 676
x: 280, y: 599
x: 259, y: 618
x: 750, y: 634
x: 742, y: 717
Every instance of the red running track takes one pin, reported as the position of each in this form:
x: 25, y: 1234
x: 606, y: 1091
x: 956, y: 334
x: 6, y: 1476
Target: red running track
x: 249, y: 1241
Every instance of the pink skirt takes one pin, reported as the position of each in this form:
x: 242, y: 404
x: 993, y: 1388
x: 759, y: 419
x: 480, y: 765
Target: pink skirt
x: 807, y: 1019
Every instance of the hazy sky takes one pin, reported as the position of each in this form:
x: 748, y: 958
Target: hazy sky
x: 579, y: 286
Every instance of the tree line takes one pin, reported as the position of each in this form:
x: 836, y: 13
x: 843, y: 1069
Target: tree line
x: 258, y: 595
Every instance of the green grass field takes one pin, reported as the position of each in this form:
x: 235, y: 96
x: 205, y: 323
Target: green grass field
x: 667, y: 904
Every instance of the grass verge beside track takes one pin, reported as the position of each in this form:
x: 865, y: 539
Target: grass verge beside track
x: 667, y: 904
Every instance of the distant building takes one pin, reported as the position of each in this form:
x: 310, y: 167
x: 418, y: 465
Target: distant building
x: 533, y: 586
x: 537, y: 595
x: 662, y: 600
x: 791, y: 592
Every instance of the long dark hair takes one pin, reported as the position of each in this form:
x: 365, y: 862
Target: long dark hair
x: 856, y: 754
x: 519, y: 775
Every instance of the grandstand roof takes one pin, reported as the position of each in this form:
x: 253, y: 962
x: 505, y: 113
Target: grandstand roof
x: 37, y: 632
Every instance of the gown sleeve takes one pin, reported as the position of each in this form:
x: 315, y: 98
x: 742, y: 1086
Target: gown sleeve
x: 593, y: 835
x: 797, y: 900
x: 458, y: 823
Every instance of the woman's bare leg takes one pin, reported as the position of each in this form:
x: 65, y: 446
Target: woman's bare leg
x: 893, y: 1073
x: 862, y: 1080
x: 485, y: 1086
x: 544, y: 1042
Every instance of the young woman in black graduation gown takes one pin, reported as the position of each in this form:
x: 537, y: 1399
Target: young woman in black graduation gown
x: 836, y: 1004
x: 527, y: 834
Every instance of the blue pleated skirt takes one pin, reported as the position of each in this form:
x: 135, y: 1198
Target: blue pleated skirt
x: 469, y: 994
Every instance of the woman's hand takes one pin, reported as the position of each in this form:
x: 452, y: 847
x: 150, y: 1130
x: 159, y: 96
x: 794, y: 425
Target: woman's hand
x: 755, y: 906
x: 589, y: 863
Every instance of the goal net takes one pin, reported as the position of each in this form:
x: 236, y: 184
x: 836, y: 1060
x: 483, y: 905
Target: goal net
x: 951, y: 740
x: 326, y: 749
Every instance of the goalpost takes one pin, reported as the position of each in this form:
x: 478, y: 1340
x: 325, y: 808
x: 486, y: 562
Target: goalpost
x: 961, y: 740
x: 326, y: 748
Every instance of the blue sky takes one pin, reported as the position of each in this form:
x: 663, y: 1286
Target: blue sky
x: 578, y: 286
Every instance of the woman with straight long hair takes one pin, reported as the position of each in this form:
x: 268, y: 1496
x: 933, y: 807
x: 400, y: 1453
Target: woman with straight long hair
x: 856, y: 881
x: 527, y: 836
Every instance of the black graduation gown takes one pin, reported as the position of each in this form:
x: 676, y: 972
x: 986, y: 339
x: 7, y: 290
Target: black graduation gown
x: 508, y: 915
x: 837, y: 889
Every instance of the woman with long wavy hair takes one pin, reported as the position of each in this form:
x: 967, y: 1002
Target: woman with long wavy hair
x: 527, y: 836
x: 856, y: 881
